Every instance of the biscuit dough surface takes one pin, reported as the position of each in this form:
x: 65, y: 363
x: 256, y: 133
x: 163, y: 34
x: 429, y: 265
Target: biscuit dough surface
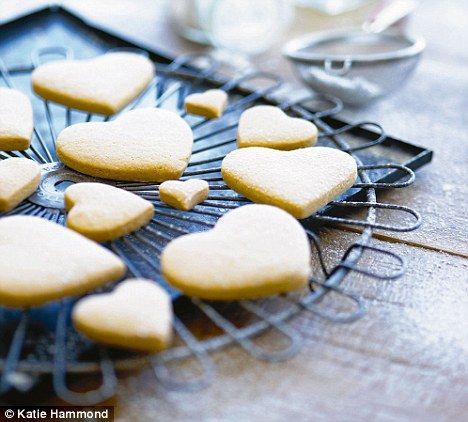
x: 143, y: 145
x: 184, y: 195
x: 270, y: 127
x: 102, y: 212
x: 137, y: 315
x: 300, y: 181
x: 43, y: 261
x: 19, y: 178
x: 253, y: 251
x: 16, y: 120
x: 210, y: 104
x: 103, y: 84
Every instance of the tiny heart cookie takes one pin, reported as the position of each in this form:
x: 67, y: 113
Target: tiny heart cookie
x: 16, y: 120
x: 103, y: 212
x: 43, y: 261
x: 137, y: 315
x: 253, y: 251
x: 268, y: 126
x: 104, y: 84
x: 211, y: 103
x: 184, y: 195
x: 300, y: 181
x: 19, y: 178
x: 144, y: 145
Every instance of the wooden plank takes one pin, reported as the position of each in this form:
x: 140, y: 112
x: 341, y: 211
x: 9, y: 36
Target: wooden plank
x: 441, y: 189
x: 406, y: 359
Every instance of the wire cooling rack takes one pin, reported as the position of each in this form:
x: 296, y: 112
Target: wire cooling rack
x: 39, y: 341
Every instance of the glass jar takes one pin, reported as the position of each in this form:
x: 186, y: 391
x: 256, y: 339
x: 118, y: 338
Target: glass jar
x: 240, y: 26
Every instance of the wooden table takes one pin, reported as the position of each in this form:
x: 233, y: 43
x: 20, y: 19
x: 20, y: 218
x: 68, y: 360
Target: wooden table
x: 408, y: 357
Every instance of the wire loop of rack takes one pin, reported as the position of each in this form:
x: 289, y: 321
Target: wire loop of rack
x: 212, y: 140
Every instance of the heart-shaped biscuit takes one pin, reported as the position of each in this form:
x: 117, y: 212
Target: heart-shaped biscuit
x: 253, y: 251
x: 300, y: 181
x: 270, y: 127
x: 144, y: 145
x: 19, y: 178
x: 16, y: 120
x: 42, y: 261
x: 103, y: 212
x: 184, y: 195
x: 211, y: 103
x: 104, y: 84
x: 137, y: 315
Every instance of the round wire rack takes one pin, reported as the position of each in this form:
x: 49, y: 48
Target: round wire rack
x: 43, y: 340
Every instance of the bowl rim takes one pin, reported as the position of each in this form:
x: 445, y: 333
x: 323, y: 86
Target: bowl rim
x: 292, y: 49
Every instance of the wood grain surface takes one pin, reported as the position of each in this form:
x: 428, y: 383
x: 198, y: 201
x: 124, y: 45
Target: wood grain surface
x: 407, y: 359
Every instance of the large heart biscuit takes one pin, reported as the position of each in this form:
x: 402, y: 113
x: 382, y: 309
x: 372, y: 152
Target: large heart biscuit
x: 300, y: 181
x: 16, y: 120
x: 253, y: 251
x: 184, y: 195
x: 103, y: 212
x: 210, y: 103
x: 269, y: 126
x: 104, y: 84
x: 144, y: 145
x: 43, y: 261
x: 137, y: 315
x: 19, y: 178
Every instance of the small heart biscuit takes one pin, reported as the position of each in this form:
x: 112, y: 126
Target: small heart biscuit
x: 270, y: 127
x: 16, y: 120
x: 144, y: 145
x: 211, y: 103
x: 137, y: 315
x: 43, y: 261
x: 103, y: 212
x: 19, y: 178
x: 104, y: 84
x: 253, y: 251
x: 184, y: 195
x: 300, y: 181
